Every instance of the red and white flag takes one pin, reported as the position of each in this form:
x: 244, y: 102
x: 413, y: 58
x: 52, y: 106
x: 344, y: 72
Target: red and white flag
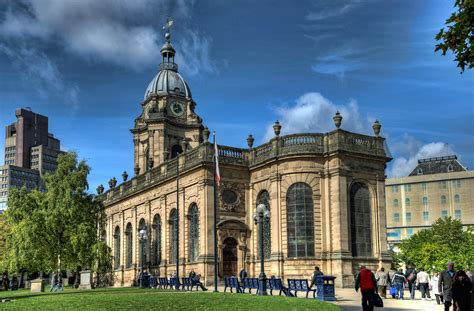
x: 216, y: 158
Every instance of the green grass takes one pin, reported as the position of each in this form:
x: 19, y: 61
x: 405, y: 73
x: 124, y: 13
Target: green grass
x: 152, y: 299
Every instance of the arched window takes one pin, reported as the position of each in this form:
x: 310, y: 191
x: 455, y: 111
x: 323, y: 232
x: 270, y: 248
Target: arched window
x: 361, y: 229
x: 420, y: 171
x: 300, y: 220
x: 264, y: 198
x: 407, y: 202
x: 395, y: 202
x: 128, y: 234
x: 157, y: 240
x: 425, y: 201
x: 450, y: 168
x: 443, y: 199
x: 175, y: 150
x: 173, y: 221
x: 193, y: 232
x: 457, y: 198
x: 142, y: 249
x: 117, y: 248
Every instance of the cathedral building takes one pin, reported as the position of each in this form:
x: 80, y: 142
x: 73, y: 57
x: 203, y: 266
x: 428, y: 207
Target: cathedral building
x: 325, y: 193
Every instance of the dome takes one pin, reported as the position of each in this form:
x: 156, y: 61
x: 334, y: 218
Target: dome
x: 168, y: 81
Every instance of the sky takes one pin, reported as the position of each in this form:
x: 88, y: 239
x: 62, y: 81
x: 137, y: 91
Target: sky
x: 86, y: 65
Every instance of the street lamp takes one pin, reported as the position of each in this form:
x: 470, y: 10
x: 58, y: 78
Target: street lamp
x: 142, y: 237
x: 263, y: 214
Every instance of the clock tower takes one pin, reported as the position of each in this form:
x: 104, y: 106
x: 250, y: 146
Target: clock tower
x: 168, y: 124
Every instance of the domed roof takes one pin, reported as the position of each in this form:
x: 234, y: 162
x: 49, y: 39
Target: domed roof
x: 168, y: 81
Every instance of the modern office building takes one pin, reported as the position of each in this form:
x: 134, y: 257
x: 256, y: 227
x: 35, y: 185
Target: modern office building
x: 30, y: 152
x: 437, y: 187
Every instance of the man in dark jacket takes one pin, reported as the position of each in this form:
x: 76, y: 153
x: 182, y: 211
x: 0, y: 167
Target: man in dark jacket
x: 242, y: 275
x: 315, y: 274
x: 445, y: 281
x: 410, y: 275
x: 365, y: 280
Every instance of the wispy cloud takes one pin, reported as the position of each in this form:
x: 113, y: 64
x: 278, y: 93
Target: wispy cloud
x: 41, y: 74
x: 312, y: 112
x: 331, y: 9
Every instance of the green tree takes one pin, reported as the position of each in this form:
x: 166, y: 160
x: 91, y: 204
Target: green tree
x: 60, y: 226
x: 444, y: 241
x: 459, y: 34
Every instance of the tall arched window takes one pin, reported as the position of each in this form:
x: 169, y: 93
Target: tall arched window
x: 142, y: 246
x: 128, y: 234
x: 157, y: 240
x: 361, y: 229
x: 173, y: 221
x: 193, y: 232
x: 117, y: 248
x: 300, y: 220
x: 264, y: 198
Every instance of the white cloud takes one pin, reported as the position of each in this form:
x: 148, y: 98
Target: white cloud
x: 312, y: 112
x: 410, y: 151
x: 118, y: 32
x: 194, y: 54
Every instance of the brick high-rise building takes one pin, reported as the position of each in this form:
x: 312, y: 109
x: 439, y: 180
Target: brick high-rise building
x: 30, y: 151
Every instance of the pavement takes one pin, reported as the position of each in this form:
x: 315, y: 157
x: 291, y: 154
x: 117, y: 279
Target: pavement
x: 349, y: 300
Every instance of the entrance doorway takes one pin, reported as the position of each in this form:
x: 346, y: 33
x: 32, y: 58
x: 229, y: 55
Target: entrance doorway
x: 229, y: 257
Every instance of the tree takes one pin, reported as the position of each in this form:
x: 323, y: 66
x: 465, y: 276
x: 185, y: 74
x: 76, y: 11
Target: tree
x: 57, y: 228
x: 444, y: 241
x: 459, y: 34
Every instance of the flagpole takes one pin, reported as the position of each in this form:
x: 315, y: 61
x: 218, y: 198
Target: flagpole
x: 177, y: 221
x: 215, y: 216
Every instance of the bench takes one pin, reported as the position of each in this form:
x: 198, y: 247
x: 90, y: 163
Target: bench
x: 163, y: 283
x: 174, y: 283
x: 300, y: 285
x: 277, y: 285
x: 232, y: 282
x: 153, y: 281
x: 250, y: 283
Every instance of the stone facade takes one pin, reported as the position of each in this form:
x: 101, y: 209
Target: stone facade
x: 325, y: 193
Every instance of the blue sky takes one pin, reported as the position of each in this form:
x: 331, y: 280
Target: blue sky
x: 86, y: 64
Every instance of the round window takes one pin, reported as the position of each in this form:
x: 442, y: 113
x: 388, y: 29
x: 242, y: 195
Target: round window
x: 229, y: 196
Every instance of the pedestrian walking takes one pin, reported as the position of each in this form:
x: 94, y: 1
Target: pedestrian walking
x: 446, y: 278
x: 434, y: 287
x: 314, y: 275
x: 365, y: 280
x: 382, y: 282
x: 410, y: 275
x: 399, y: 280
x: 423, y: 283
x: 5, y: 281
x: 242, y: 275
x: 461, y: 291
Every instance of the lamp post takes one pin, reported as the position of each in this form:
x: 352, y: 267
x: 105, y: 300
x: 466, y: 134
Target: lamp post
x: 142, y: 237
x: 262, y: 215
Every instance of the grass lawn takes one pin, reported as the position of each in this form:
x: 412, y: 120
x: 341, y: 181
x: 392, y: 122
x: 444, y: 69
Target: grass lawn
x: 152, y: 299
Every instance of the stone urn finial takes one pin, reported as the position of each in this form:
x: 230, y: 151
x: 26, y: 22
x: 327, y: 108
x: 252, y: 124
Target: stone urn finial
x: 250, y: 141
x: 206, y: 133
x: 124, y: 176
x: 277, y: 128
x: 112, y: 183
x: 337, y: 119
x: 100, y: 189
x: 137, y: 170
x: 376, y: 127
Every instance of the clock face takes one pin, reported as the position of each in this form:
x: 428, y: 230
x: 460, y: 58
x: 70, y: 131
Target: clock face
x: 177, y: 108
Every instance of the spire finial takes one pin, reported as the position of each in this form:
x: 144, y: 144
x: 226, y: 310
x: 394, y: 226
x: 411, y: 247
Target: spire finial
x: 167, y: 26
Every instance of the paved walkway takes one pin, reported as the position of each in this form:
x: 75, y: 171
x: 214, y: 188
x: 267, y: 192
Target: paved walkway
x: 349, y: 300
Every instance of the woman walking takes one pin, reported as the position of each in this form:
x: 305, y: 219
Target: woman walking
x: 461, y: 289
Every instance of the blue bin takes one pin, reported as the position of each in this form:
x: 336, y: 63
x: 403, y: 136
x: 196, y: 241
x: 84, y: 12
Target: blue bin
x: 325, y: 288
